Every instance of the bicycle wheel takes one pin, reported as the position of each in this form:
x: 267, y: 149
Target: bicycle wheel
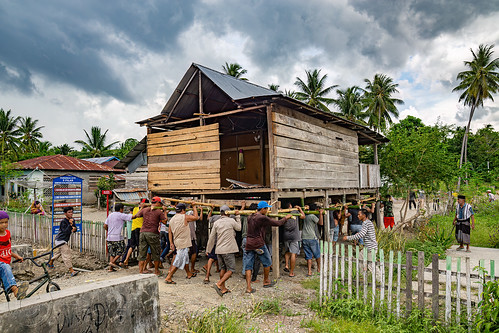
x: 52, y: 286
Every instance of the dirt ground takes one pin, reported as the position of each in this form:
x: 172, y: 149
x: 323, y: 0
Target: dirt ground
x: 192, y: 296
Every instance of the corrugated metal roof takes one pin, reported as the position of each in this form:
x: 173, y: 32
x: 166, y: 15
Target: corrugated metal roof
x: 100, y: 160
x: 131, y: 195
x: 62, y: 162
x: 235, y: 88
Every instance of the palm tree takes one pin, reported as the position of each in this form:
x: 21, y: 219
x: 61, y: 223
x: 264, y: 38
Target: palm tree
x: 274, y: 87
x: 44, y: 147
x: 350, y: 104
x: 96, y: 142
x: 9, y: 134
x: 478, y: 83
x: 30, y: 134
x: 314, y: 91
x: 64, y: 149
x: 290, y: 93
x: 379, y: 103
x: 235, y: 70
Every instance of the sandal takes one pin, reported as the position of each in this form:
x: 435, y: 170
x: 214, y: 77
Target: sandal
x: 50, y: 266
x: 22, y: 289
x: 251, y: 292
x: 270, y: 285
x: 170, y: 282
x: 74, y: 273
x: 286, y: 269
x: 226, y: 292
x: 206, y: 281
x: 218, y: 290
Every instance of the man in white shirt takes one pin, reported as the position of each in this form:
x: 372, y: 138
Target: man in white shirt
x: 114, y: 227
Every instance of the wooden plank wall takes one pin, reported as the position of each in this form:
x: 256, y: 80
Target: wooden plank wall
x: 183, y: 160
x: 312, y: 154
x: 369, y: 176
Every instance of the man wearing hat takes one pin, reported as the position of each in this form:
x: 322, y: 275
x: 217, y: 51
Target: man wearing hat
x: 255, y: 243
x: 223, y: 234
x: 464, y: 213
x: 180, y: 240
x: 149, y: 234
x: 491, y: 196
x: 133, y: 242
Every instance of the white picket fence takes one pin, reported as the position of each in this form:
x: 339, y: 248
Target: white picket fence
x: 38, y: 229
x: 384, y: 284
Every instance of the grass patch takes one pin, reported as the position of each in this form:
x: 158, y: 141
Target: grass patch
x: 267, y: 306
x: 219, y: 320
x: 338, y: 325
x: 311, y: 283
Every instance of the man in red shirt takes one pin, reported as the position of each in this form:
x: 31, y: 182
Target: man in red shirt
x: 149, y: 234
x: 8, y: 280
x: 255, y: 244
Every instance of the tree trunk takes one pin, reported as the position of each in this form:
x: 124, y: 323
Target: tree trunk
x: 376, y: 153
x: 465, y: 144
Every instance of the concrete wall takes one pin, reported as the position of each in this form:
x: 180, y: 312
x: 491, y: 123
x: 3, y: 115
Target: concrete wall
x: 23, y: 268
x: 127, y: 304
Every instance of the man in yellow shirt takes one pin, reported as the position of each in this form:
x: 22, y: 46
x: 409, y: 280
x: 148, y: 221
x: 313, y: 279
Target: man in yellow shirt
x: 133, y: 242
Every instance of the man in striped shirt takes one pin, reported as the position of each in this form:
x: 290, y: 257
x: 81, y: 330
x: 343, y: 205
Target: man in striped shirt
x: 367, y: 232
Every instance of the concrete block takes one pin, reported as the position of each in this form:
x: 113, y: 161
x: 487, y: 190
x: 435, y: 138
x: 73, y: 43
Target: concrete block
x: 21, y: 269
x: 126, y: 304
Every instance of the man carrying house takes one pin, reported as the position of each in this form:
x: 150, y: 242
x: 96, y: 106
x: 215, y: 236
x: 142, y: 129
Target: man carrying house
x: 149, y: 234
x: 114, y: 227
x: 255, y: 244
x: 310, y: 237
x: 180, y: 240
x: 292, y: 240
x: 388, y: 218
x: 133, y: 242
x: 223, y: 234
x: 464, y: 213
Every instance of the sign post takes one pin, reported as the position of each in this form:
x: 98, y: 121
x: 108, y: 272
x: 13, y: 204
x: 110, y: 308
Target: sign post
x: 107, y: 193
x: 67, y: 192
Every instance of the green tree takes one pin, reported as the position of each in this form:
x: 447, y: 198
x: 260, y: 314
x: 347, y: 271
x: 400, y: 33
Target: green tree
x: 314, y: 91
x: 274, y: 87
x: 96, y: 142
x: 290, y: 93
x: 349, y: 103
x: 30, y: 134
x: 478, y: 83
x: 379, y: 102
x: 125, y: 147
x: 235, y: 70
x: 484, y: 151
x: 44, y: 147
x: 63, y: 149
x: 9, y: 135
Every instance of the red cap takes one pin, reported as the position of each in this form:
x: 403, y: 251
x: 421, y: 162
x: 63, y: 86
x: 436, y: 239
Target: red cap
x: 155, y: 199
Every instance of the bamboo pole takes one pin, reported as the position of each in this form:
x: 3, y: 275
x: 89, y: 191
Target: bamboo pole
x: 390, y: 281
x: 458, y: 291
x: 357, y: 273
x: 448, y: 290
x: 330, y: 288
x: 399, y: 274
x: 321, y: 275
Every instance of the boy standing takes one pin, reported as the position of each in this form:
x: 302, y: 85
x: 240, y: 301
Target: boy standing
x: 8, y: 280
x: 66, y: 227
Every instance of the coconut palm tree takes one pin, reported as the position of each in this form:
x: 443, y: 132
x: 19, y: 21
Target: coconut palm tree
x: 30, y: 134
x: 9, y: 134
x: 349, y: 103
x: 478, y: 83
x: 379, y: 103
x: 44, y: 147
x: 64, y: 149
x: 235, y: 70
x: 274, y: 87
x: 290, y: 93
x: 313, y: 92
x: 96, y: 142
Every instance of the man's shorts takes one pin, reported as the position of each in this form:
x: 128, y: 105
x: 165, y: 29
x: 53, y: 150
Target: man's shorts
x: 355, y: 229
x: 212, y: 254
x: 292, y: 247
x: 334, y: 233
x: 116, y: 248
x: 149, y: 239
x: 181, y: 258
x: 134, y: 240
x: 265, y: 258
x: 389, y: 221
x: 311, y: 248
x: 194, y: 248
x: 227, y: 262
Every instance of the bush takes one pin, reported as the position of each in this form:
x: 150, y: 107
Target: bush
x: 267, y: 306
x: 487, y: 318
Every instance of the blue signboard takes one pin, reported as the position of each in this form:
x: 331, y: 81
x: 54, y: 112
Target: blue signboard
x: 67, y: 192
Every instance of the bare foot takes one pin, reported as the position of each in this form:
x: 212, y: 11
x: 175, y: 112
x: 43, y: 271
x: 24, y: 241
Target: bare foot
x: 256, y: 281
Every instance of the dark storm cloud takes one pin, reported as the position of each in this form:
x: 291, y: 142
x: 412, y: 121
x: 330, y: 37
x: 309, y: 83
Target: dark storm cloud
x: 429, y: 18
x: 21, y: 80
x: 69, y: 41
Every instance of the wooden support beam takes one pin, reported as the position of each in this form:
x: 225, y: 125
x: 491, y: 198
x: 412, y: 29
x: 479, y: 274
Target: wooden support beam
x: 206, y: 116
x: 200, y: 89
x: 180, y: 97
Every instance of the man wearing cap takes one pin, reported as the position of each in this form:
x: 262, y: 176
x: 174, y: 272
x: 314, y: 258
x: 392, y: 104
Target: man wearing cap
x: 491, y: 196
x: 149, y: 234
x: 255, y: 244
x: 223, y: 234
x: 464, y: 213
x: 180, y: 240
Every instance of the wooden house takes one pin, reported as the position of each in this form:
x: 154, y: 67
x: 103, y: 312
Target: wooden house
x: 216, y: 131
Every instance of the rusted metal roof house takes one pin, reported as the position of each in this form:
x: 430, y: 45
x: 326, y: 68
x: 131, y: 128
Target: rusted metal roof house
x: 219, y: 137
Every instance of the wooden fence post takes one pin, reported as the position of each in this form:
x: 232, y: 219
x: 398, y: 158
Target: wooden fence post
x: 468, y: 289
x: 482, y: 279
x: 373, y: 265
x: 434, y: 286
x: 330, y: 288
x: 448, y: 290
x: 350, y: 261
x: 342, y: 264
x: 337, y: 270
x: 357, y: 273
x: 322, y: 272
x: 364, y: 273
x: 492, y: 270
x: 382, y: 277
x: 421, y: 281
x: 408, y: 282
x: 458, y: 291
x: 390, y: 281
x: 325, y: 267
x: 399, y: 274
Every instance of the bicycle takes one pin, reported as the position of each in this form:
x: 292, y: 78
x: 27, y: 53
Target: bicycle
x: 45, y: 278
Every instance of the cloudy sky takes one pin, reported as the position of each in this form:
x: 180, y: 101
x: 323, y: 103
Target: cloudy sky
x: 77, y: 64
